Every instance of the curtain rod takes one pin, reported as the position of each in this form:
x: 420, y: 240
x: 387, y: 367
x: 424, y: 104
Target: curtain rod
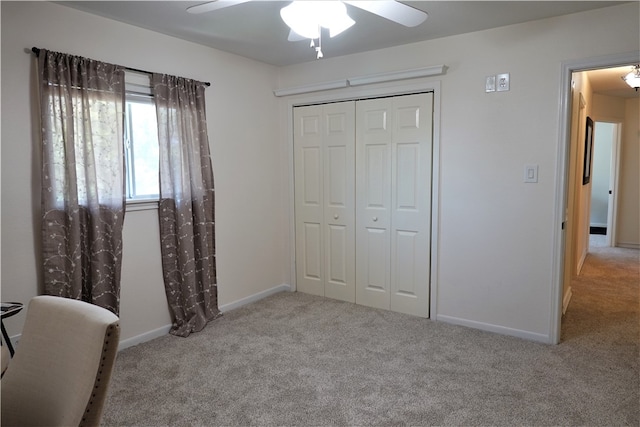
x: 37, y: 52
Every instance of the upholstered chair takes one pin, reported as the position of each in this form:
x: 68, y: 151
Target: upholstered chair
x: 61, y: 369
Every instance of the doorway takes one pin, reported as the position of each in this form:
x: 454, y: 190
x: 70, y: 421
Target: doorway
x: 572, y: 131
x: 602, y: 218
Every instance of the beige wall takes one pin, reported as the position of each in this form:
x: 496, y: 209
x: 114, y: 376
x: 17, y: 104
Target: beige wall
x: 574, y: 243
x: 628, y: 231
x: 243, y: 133
x: 583, y: 191
x: 608, y: 108
x: 496, y: 233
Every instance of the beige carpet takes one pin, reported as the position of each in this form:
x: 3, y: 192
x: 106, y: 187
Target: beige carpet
x: 298, y: 360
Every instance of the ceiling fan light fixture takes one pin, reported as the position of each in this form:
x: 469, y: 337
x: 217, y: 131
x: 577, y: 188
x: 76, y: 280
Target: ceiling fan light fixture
x: 298, y: 18
x: 633, y: 78
x: 306, y: 17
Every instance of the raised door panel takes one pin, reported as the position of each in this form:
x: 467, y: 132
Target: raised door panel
x: 373, y: 202
x: 411, y: 204
x: 312, y: 251
x: 309, y: 199
x: 339, y: 200
x: 311, y: 178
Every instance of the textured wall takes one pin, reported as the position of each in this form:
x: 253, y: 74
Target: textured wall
x: 495, y: 232
x: 243, y: 133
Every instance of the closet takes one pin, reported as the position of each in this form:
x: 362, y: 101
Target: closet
x: 362, y: 173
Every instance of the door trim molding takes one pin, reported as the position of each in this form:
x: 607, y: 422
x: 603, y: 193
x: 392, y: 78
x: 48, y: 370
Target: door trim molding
x: 353, y: 94
x: 562, y: 169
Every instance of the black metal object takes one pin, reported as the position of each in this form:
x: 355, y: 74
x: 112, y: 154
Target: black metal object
x: 9, y: 309
x: 37, y: 53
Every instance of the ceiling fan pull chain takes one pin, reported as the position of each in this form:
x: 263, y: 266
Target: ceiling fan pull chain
x: 319, y: 48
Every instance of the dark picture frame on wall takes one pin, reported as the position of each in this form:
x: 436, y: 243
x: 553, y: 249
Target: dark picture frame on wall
x: 588, y: 152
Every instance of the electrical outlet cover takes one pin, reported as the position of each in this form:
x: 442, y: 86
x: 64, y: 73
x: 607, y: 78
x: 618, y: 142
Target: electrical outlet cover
x: 502, y: 82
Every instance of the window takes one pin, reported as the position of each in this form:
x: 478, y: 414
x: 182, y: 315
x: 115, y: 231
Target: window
x: 141, y: 148
x: 141, y: 141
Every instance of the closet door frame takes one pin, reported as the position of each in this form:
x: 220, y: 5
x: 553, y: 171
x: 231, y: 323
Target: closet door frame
x: 364, y: 92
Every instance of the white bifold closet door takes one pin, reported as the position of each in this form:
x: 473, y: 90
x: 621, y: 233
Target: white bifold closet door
x: 393, y: 202
x: 324, y: 158
x: 363, y: 201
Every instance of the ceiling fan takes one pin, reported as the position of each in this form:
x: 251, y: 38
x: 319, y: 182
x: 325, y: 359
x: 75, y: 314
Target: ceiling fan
x: 306, y: 17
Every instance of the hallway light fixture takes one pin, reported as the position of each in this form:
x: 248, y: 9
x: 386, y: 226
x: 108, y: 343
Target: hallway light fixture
x: 307, y: 18
x: 633, y: 78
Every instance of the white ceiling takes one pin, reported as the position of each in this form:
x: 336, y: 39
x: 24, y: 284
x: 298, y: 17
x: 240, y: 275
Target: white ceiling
x: 608, y: 81
x: 255, y: 29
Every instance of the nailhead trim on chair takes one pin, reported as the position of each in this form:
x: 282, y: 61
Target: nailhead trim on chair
x: 97, y: 383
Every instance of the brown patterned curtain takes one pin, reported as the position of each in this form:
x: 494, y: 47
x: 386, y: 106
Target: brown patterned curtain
x: 81, y: 104
x: 186, y: 203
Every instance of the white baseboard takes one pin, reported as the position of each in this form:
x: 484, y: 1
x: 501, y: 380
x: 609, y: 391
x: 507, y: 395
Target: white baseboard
x: 531, y: 336
x: 583, y: 257
x: 566, y: 299
x: 147, y: 336
x: 628, y: 245
x: 164, y: 330
x: 255, y: 297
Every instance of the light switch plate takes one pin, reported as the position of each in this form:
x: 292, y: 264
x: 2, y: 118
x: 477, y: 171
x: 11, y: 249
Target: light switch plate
x: 531, y: 173
x: 502, y: 82
x: 490, y: 84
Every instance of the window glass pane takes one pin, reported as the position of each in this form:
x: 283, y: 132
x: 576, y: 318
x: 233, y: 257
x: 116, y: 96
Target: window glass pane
x: 143, y: 149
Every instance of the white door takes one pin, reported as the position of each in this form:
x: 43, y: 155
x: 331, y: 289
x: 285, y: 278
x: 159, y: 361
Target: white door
x: 411, y: 204
x: 308, y: 170
x: 373, y: 202
x: 393, y: 202
x: 324, y: 144
x: 339, y: 200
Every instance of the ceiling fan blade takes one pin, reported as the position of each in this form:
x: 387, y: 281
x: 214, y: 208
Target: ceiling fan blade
x: 393, y: 11
x: 214, y: 5
x: 295, y: 37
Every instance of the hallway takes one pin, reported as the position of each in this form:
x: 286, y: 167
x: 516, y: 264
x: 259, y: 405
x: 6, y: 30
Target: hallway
x: 605, y: 302
x: 603, y: 321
